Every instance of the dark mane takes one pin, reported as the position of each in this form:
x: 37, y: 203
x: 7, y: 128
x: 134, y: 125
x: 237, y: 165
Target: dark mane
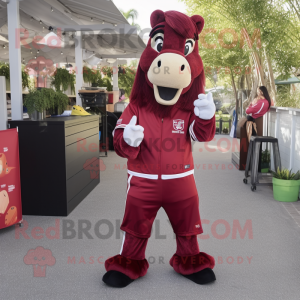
x: 181, y: 24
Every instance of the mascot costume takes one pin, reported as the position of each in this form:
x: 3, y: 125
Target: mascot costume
x: 167, y: 109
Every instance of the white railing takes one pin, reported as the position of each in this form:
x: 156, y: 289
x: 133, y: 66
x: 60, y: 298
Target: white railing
x: 284, y: 124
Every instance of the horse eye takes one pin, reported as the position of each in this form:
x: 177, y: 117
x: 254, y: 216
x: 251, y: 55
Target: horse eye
x: 189, y: 46
x: 158, y: 45
x: 157, y: 42
x: 186, y: 49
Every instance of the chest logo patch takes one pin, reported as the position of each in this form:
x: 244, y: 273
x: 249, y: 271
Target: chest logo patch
x: 178, y: 126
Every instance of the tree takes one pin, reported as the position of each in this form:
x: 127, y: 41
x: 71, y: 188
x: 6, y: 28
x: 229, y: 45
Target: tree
x: 266, y: 31
x: 132, y: 14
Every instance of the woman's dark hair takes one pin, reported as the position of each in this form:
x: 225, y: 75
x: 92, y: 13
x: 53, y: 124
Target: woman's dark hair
x: 265, y: 94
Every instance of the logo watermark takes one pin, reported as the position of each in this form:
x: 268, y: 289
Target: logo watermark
x: 104, y: 229
x: 39, y: 258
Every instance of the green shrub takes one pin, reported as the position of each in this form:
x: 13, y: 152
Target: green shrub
x: 126, y: 79
x: 62, y: 79
x: 94, y: 77
x: 285, y: 98
x: 4, y: 71
x: 286, y: 174
x: 45, y: 98
x: 223, y: 117
x: 226, y: 117
x: 265, y: 156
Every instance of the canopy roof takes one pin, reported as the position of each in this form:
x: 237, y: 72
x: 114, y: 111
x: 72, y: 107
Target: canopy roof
x: 36, y: 16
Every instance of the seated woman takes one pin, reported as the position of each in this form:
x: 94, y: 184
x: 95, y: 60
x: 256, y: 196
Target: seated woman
x: 260, y: 105
x: 257, y: 108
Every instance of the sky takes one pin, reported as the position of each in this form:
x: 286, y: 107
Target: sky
x: 146, y: 7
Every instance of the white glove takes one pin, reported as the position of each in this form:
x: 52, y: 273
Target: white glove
x: 204, y: 106
x: 133, y: 134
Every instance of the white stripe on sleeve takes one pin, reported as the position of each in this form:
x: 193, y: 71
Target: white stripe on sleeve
x: 260, y: 109
x: 191, y: 130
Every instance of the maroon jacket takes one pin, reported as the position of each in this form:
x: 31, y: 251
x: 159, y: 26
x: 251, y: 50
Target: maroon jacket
x: 259, y: 109
x: 166, y: 147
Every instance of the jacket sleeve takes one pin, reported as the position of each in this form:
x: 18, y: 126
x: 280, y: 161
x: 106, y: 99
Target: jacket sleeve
x: 202, y: 130
x: 121, y: 147
x: 254, y: 109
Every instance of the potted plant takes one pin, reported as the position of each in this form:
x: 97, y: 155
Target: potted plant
x: 25, y: 78
x: 63, y: 79
x: 89, y: 75
x: 4, y: 71
x: 286, y: 185
x: 265, y: 161
x: 126, y: 78
x: 39, y: 100
x: 94, y: 77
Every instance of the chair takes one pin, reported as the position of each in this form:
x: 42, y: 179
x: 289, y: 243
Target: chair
x: 253, y: 159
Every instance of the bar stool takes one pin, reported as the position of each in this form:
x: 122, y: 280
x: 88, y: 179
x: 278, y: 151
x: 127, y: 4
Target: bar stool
x: 253, y: 159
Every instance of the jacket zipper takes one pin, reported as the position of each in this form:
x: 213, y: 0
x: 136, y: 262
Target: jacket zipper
x: 162, y: 122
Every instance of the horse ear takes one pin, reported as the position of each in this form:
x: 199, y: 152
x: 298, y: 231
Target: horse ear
x: 157, y: 17
x: 199, y: 21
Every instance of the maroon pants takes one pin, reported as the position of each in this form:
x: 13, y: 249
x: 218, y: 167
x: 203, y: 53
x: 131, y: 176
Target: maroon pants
x: 146, y: 194
x: 131, y: 260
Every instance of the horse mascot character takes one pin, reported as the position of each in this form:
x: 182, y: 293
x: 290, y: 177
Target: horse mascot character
x: 168, y: 108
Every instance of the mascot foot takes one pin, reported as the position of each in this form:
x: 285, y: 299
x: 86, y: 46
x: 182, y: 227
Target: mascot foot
x: 116, y: 279
x: 202, y: 277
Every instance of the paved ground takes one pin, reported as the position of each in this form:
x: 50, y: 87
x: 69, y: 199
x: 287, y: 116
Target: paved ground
x: 264, y: 265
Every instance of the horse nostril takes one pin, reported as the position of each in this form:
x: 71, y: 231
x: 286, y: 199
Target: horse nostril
x: 182, y: 67
x: 159, y: 63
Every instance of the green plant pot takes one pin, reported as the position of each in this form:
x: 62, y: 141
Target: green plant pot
x: 285, y: 190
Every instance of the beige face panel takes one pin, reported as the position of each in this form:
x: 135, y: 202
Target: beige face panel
x: 169, y: 70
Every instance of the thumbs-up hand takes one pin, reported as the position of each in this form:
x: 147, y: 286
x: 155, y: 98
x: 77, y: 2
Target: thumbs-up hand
x: 133, y: 134
x: 204, y: 106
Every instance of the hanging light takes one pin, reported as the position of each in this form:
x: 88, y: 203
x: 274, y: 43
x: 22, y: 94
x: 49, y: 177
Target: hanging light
x: 50, y: 28
x: 51, y: 9
x: 41, y: 22
x: 31, y: 19
x: 35, y: 57
x: 115, y: 25
x: 92, y: 19
x: 38, y: 51
x: 61, y: 53
x: 4, y: 46
x: 102, y: 22
x: 31, y: 51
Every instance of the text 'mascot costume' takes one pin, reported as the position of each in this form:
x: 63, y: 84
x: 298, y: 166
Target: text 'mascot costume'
x: 167, y: 109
